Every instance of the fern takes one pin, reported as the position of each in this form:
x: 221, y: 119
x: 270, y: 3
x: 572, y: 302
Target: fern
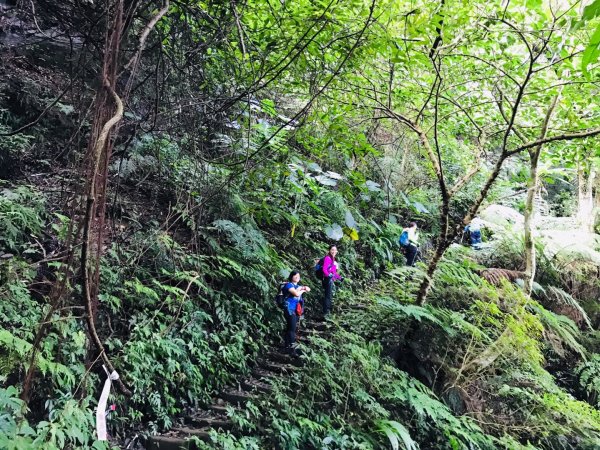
x: 559, y: 330
x: 247, y: 240
x: 452, y: 273
x: 334, y: 205
x: 564, y: 303
x: 589, y: 378
x: 396, y: 433
x: 21, y: 214
x: 18, y: 348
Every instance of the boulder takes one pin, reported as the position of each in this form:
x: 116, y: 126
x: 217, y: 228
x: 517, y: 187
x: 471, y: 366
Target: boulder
x: 502, y: 216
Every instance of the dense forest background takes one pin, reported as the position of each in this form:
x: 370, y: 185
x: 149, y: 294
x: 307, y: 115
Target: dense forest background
x: 165, y: 164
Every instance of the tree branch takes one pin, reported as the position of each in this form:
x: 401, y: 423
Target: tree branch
x: 560, y: 137
x: 133, y: 62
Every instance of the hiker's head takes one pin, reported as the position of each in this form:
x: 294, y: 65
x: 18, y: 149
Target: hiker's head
x: 412, y: 225
x: 332, y: 250
x: 294, y: 276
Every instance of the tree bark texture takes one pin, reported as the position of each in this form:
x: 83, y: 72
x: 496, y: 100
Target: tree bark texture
x: 532, y: 187
x: 585, y: 197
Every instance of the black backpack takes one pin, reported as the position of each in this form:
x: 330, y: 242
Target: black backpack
x: 319, y: 268
x: 282, y: 296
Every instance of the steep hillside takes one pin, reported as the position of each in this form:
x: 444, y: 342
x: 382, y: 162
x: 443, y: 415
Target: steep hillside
x: 165, y: 165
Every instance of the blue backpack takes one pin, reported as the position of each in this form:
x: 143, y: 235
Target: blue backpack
x: 282, y: 296
x: 403, y: 241
x: 319, y: 268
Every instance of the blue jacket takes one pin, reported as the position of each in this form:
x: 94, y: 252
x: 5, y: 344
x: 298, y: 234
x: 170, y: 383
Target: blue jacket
x: 292, y: 302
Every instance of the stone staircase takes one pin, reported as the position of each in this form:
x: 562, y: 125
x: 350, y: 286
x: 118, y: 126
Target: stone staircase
x: 274, y: 364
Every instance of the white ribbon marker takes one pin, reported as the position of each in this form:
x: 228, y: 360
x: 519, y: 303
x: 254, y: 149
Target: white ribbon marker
x: 101, y: 410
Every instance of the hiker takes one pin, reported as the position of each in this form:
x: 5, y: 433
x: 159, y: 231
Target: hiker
x: 293, y: 309
x: 329, y: 275
x: 409, y: 240
x: 474, y: 230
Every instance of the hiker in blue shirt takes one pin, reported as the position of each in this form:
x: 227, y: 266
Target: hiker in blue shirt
x: 293, y: 309
x: 474, y: 230
x: 409, y: 241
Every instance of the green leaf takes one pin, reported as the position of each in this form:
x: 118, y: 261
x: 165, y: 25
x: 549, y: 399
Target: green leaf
x: 396, y: 432
x: 591, y: 11
x: 590, y: 55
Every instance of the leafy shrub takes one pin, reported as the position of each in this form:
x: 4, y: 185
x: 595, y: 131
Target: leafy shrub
x: 589, y: 378
x: 70, y: 424
x: 21, y: 214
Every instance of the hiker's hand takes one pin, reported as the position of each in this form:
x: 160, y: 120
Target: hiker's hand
x: 330, y: 275
x: 305, y: 288
x: 342, y: 279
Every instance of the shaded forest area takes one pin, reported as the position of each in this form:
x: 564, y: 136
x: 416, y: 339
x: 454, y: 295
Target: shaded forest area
x: 164, y: 165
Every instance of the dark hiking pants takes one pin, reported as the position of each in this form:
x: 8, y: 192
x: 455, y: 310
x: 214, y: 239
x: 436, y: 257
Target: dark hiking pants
x: 327, y: 295
x: 291, y: 321
x: 411, y: 255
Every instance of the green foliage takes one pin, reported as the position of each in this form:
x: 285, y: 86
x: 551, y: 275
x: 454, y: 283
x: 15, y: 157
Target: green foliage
x: 591, y: 53
x: 220, y: 194
x: 12, y: 148
x: 396, y: 433
x: 70, y: 424
x: 562, y: 302
x: 589, y: 378
x: 21, y: 214
x: 560, y: 331
x: 247, y: 241
x: 361, y: 389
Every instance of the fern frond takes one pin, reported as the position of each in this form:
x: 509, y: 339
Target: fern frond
x: 561, y: 302
x: 396, y: 433
x: 453, y: 273
x: 419, y: 313
x: 559, y: 330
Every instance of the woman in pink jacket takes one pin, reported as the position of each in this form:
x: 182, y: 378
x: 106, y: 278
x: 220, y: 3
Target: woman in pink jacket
x: 329, y: 276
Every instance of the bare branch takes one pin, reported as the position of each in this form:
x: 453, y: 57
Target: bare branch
x: 560, y: 137
x: 133, y: 62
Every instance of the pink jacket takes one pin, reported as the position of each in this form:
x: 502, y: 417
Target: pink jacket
x: 330, y: 266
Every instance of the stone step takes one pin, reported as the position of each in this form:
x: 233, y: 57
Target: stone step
x: 277, y: 356
x: 235, y: 396
x: 161, y: 442
x: 219, y: 409
x: 276, y: 367
x: 253, y: 385
x: 318, y: 333
x: 263, y: 374
x: 202, y: 433
x: 211, y: 422
x: 360, y: 306
x: 321, y: 326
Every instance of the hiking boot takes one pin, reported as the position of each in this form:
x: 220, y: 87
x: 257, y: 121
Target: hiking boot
x: 293, y: 350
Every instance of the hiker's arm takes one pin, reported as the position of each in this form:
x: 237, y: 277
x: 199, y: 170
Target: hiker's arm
x: 327, y: 263
x: 297, y: 292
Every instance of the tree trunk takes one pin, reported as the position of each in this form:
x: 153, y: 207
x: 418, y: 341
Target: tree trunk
x: 530, y: 256
x: 431, y: 268
x: 532, y: 187
x: 585, y: 197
